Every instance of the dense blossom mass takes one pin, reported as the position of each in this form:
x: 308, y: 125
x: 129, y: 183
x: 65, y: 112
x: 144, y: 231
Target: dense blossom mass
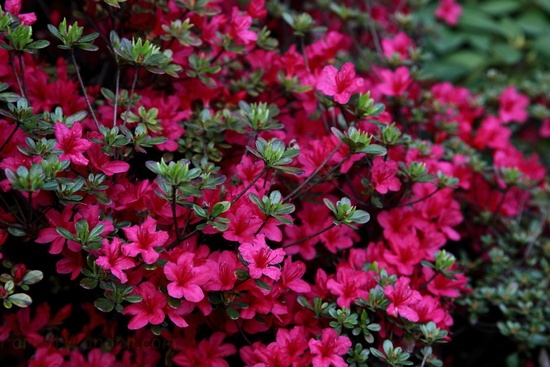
x: 223, y: 183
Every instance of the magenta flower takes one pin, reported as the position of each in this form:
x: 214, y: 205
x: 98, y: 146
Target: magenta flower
x: 339, y: 84
x: 186, y: 278
x: 395, y: 83
x: 399, y: 45
x: 113, y: 259
x: 149, y: 310
x: 384, y: 176
x: 328, y: 351
x: 14, y: 7
x: 513, y: 106
x: 71, y: 143
x: 240, y: 27
x: 448, y: 11
x: 144, y: 238
x: 402, y: 297
x: 261, y: 259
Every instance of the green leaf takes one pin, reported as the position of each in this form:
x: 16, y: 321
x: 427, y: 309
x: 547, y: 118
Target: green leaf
x: 104, y: 305
x: 134, y: 298
x: 88, y: 283
x: 232, y: 313
x: 262, y: 284
x: 20, y: 299
x: 32, y: 277
x: 499, y: 7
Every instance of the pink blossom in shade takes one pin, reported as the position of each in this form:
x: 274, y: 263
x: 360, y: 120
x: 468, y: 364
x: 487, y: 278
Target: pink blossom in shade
x: 50, y: 234
x: 114, y: 260
x: 491, y: 134
x: 240, y: 27
x: 384, y: 175
x: 448, y: 11
x: 399, y: 45
x: 144, y: 238
x: 441, y: 286
x: 405, y: 254
x: 328, y: 351
x: 402, y: 297
x: 513, y: 106
x: 429, y: 309
x: 340, y: 84
x: 292, y: 343
x: 545, y: 128
x: 394, y: 83
x: 46, y: 357
x: 149, y: 310
x: 256, y: 9
x: 186, y: 278
x: 71, y: 263
x: 349, y: 285
x: 262, y: 259
x: 208, y: 353
x: 71, y: 143
x: 14, y: 7
x: 105, y: 163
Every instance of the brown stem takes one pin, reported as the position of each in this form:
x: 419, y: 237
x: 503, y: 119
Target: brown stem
x: 310, y: 236
x: 83, y: 89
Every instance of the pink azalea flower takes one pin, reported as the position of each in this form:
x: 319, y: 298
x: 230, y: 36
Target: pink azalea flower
x: 149, y: 310
x: 491, y: 134
x: 186, y: 278
x: 402, y: 297
x: 513, y: 106
x: 72, y: 263
x: 14, y: 7
x: 105, y: 163
x: 545, y: 129
x: 384, y: 175
x: 292, y: 274
x: 46, y: 357
x: 209, y: 353
x: 339, y: 84
x: 262, y: 259
x: 71, y: 143
x: 395, y: 83
x: 328, y: 351
x: 349, y: 285
x: 113, y: 259
x: 223, y: 266
x: 240, y: 27
x: 144, y: 238
x: 448, y: 11
x: 399, y: 45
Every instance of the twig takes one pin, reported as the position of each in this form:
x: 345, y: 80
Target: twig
x: 134, y: 83
x: 310, y: 236
x: 84, y: 90
x: 264, y: 170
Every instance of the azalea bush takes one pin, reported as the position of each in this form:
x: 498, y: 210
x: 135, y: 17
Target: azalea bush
x: 227, y: 183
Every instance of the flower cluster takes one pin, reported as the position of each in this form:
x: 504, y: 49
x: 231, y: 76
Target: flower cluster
x: 228, y: 192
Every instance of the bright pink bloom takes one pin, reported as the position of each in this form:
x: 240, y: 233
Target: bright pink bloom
x: 223, y: 266
x: 262, y: 259
x: 384, y: 175
x: 328, y: 351
x: 149, y: 310
x: 402, y: 297
x: 71, y: 143
x: 340, y: 84
x: 256, y: 9
x: 292, y: 342
x: 513, y: 106
x: 441, y: 286
x: 72, y: 263
x: 144, y: 238
x: 186, y: 278
x: 399, y: 45
x: 114, y: 260
x: 292, y: 274
x: 14, y: 7
x: 395, y: 83
x: 240, y: 27
x: 244, y: 223
x: 448, y: 11
x: 349, y: 285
